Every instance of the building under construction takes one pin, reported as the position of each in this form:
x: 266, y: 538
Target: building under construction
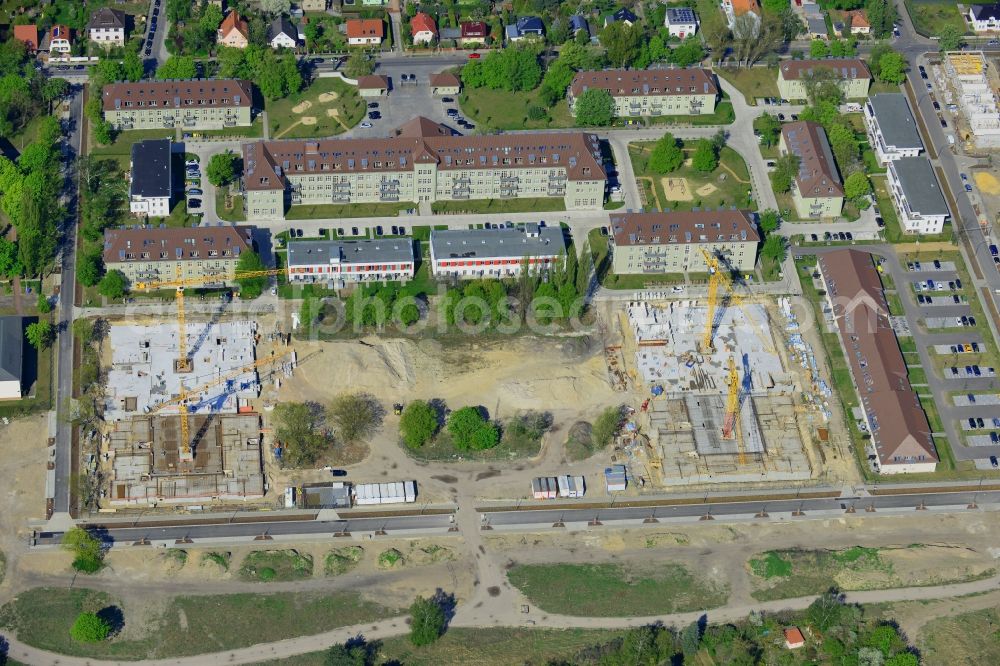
x: 145, y: 464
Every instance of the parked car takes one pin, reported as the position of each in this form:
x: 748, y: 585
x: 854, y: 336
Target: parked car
x: 937, y: 263
x: 194, y: 192
x: 354, y: 231
x: 475, y: 56
x: 971, y: 397
x: 972, y: 422
x: 813, y: 237
x: 879, y: 221
x: 993, y: 459
x: 447, y: 100
x: 956, y: 299
x: 378, y: 231
x: 958, y: 283
x: 372, y: 105
x: 193, y: 203
x: 980, y: 423
x: 944, y: 123
x: 452, y: 112
x: 365, y: 125
x: 976, y: 371
x: 964, y: 177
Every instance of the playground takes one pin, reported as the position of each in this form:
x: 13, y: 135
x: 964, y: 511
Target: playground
x: 326, y: 108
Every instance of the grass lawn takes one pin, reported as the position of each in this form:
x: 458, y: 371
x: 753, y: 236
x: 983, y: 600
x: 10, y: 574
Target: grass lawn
x: 930, y: 16
x: 501, y: 109
x: 286, y: 123
x: 178, y: 216
x: 786, y: 574
x: 895, y: 304
x: 723, y: 115
x: 122, y: 145
x: 916, y: 374
x: 43, y: 616
x: 753, y: 82
x: 322, y: 211
x: 930, y: 409
x: 276, y: 566
x: 461, y: 646
x: 969, y: 638
x: 893, y: 232
x: 234, y: 214
x: 614, y: 590
x: 476, y: 206
x: 254, y: 130
x: 728, y: 185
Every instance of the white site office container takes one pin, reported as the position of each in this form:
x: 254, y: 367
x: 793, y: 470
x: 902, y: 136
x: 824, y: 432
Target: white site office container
x: 571, y: 486
x: 410, y: 491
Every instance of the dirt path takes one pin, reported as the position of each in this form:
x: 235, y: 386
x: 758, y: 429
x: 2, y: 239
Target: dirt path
x: 735, y: 177
x: 18, y: 303
x: 287, y: 129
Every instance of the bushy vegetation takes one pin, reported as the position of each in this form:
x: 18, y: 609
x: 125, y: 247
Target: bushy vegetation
x: 88, y: 551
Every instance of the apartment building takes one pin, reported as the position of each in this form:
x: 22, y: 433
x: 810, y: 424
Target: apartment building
x: 151, y: 254
x: 107, y: 27
x: 984, y: 18
x: 688, y: 91
x: 900, y: 434
x: 151, y: 186
x: 673, y: 242
x: 917, y: 195
x: 817, y: 189
x: 340, y: 262
x: 681, y: 22
x: 852, y: 75
x: 495, y: 253
x: 891, y: 129
x: 422, y: 162
x: 190, y: 104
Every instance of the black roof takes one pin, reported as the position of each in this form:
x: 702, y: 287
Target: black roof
x: 282, y: 25
x: 11, y: 348
x: 151, y: 168
x: 986, y: 12
x: 624, y: 14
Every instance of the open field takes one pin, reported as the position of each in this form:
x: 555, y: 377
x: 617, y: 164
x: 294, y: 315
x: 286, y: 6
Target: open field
x: 930, y: 16
x: 326, y: 108
x: 787, y: 574
x: 181, y: 626
x: 502, y: 109
x: 753, y: 82
x: 969, y: 638
x: 613, y: 590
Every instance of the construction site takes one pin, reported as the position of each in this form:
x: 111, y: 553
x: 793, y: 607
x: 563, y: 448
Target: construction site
x: 728, y: 389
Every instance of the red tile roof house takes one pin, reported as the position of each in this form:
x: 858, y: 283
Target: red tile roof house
x: 423, y: 28
x: 365, y: 32
x: 474, y: 32
x: 794, y: 638
x: 27, y: 34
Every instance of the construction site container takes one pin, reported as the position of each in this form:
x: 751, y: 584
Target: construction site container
x: 544, y: 487
x: 571, y: 486
x: 410, y: 491
x: 615, y: 478
x: 385, y: 493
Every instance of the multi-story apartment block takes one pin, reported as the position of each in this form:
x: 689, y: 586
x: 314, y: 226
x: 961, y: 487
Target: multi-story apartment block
x: 495, y: 253
x: 681, y: 22
x: 341, y: 262
x: 651, y: 92
x: 851, y: 73
x: 984, y: 18
x: 192, y: 104
x: 672, y: 242
x: 107, y: 27
x: 817, y: 190
x: 891, y: 128
x: 151, y: 254
x: 917, y: 195
x: 151, y: 187
x: 900, y: 436
x: 423, y: 162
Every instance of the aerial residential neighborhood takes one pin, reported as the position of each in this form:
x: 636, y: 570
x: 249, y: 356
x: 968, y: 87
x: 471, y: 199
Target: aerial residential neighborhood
x: 404, y: 332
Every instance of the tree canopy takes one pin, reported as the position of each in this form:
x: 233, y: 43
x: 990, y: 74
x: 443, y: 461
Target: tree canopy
x: 427, y: 621
x: 89, y: 628
x: 250, y: 287
x: 221, y: 169
x: 88, y: 554
x: 595, y: 107
x: 510, y: 69
x: 667, y: 155
x: 301, y: 428
x: 356, y: 416
x: 470, y: 431
x: 418, y: 424
x: 177, y: 67
x: 113, y: 285
x: 706, y: 156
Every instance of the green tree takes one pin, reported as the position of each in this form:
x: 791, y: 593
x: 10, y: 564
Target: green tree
x: 356, y: 416
x: 249, y: 262
x: 595, y: 107
x: 113, y: 285
x: 892, y: 68
x: 857, y: 185
x: 109, y: 70
x: 89, y: 628
x: 818, y: 48
x: 10, y: 263
x: 132, y: 66
x: 39, y: 334
x: 844, y: 145
x: 950, y: 37
x: 622, y: 42
x: 43, y: 305
x: 88, y: 554
x: 104, y: 133
x: 705, y: 158
x: 418, y: 424
x: 691, y: 640
x: 470, y: 431
x: 54, y: 89
x: 775, y: 248
x: 606, y: 427
x: 786, y: 168
x: 177, y: 67
x: 221, y: 169
x: 427, y: 621
x: 358, y: 64
x: 301, y: 429
x: 881, y: 15
x: 687, y: 53
x: 774, y: 6
x: 342, y: 655
x: 667, y: 155
x: 90, y: 267
x: 826, y: 611
x: 875, y: 56
x: 769, y: 128
x: 902, y: 659
x: 769, y: 221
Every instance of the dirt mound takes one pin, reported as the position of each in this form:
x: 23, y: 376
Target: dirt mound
x: 327, y: 97
x: 302, y: 107
x: 308, y: 120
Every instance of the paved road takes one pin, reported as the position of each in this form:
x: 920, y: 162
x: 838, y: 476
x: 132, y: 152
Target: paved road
x: 64, y: 311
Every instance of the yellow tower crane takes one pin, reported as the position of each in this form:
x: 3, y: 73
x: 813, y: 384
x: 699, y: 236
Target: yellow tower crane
x: 183, y: 364
x: 731, y: 429
x: 186, y: 450
x: 719, y: 279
